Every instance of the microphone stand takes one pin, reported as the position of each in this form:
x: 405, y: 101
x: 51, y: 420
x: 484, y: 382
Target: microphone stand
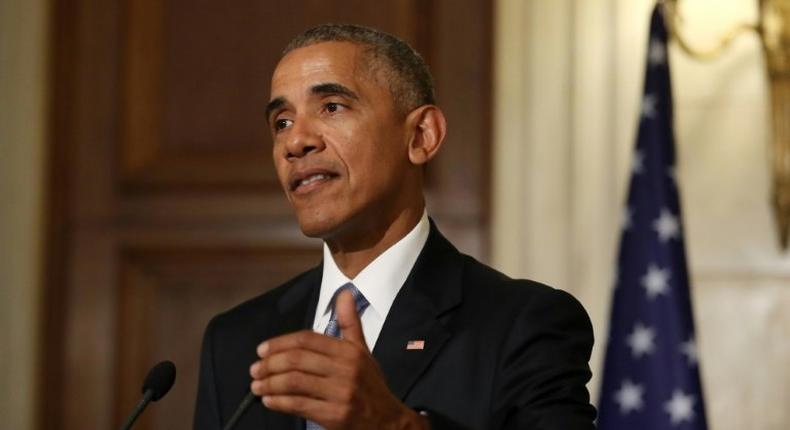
x: 147, y: 396
x: 245, y: 403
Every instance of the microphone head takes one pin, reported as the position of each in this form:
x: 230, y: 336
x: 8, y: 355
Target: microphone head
x: 159, y: 380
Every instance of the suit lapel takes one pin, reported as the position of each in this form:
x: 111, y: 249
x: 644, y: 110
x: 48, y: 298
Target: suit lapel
x: 421, y: 312
x: 400, y: 365
x: 297, y: 305
x: 297, y: 309
x: 432, y: 289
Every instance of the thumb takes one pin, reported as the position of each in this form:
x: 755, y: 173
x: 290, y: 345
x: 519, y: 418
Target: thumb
x: 348, y: 319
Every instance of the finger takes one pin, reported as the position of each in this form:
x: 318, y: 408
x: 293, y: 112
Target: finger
x: 328, y: 415
x: 302, y: 360
x: 304, y: 339
x: 348, y: 319
x: 296, y: 384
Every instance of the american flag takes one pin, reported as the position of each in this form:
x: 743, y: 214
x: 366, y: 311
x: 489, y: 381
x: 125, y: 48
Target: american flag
x: 415, y: 344
x: 651, y: 377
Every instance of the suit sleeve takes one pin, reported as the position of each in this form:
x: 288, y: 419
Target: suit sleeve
x: 207, y: 404
x: 544, y: 369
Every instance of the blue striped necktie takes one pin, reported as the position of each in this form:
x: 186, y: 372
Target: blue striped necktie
x: 333, y: 328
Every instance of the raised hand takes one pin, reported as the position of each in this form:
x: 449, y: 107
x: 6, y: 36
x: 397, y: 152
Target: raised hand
x: 333, y: 382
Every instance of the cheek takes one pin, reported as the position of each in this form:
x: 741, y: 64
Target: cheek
x: 278, y: 168
x: 370, y: 155
x: 345, y: 146
x: 378, y: 168
x: 282, y: 172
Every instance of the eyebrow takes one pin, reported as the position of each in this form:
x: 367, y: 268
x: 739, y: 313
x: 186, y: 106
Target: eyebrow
x: 334, y: 88
x: 273, y: 105
x: 328, y: 88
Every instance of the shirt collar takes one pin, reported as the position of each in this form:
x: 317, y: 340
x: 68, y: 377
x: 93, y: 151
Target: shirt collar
x: 380, y: 280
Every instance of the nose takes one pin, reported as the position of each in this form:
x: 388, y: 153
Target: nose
x: 303, y: 139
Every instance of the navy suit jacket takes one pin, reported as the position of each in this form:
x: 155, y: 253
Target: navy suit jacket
x: 498, y: 353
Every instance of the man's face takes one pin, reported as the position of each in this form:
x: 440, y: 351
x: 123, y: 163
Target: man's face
x: 340, y: 147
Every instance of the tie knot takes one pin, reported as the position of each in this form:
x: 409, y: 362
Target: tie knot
x: 359, y: 299
x: 333, y: 328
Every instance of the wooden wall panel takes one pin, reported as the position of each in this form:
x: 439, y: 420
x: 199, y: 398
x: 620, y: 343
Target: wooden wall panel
x: 166, y: 298
x: 195, y: 81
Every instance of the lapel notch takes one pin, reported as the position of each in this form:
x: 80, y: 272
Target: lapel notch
x: 420, y: 313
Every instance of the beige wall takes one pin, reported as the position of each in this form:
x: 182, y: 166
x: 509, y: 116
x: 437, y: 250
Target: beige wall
x: 22, y: 134
x: 569, y: 76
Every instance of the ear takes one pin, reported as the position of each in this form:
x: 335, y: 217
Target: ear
x: 428, y: 128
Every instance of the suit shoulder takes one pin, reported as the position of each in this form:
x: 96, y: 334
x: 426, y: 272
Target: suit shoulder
x: 483, y: 279
x: 260, y: 304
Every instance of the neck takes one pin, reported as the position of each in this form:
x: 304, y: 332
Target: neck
x: 353, y: 252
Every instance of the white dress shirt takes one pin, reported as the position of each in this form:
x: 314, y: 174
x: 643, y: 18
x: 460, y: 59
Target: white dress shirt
x: 379, y: 282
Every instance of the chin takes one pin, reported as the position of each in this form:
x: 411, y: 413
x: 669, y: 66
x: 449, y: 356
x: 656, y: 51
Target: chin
x: 316, y: 226
x: 312, y: 231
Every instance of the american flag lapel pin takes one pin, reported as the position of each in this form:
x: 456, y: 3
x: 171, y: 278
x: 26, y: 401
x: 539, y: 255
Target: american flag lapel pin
x: 415, y: 344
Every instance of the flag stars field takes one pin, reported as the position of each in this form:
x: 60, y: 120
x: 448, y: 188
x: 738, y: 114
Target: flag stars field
x: 667, y: 226
x: 628, y: 215
x: 672, y: 172
x: 656, y: 281
x: 649, y: 106
x: 680, y: 407
x: 689, y: 349
x: 629, y: 397
x: 637, y: 165
x: 657, y: 53
x: 641, y: 340
x: 651, y: 373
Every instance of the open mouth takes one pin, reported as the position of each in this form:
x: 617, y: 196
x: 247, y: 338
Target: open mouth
x: 311, y: 180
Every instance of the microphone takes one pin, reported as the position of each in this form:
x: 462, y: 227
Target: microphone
x: 245, y: 403
x: 158, y: 382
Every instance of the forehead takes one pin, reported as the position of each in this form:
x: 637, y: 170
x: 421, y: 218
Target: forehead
x: 341, y: 62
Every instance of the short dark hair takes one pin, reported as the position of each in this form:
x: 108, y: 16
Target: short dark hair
x: 406, y: 73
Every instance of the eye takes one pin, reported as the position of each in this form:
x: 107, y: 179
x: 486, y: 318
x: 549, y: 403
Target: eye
x: 281, y: 124
x: 332, y: 107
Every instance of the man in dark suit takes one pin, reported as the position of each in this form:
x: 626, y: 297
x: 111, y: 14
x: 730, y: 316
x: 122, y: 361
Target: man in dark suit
x: 455, y: 344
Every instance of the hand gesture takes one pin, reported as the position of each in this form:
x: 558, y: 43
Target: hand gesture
x: 333, y: 382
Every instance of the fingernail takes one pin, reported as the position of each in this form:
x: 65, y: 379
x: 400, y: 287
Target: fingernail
x: 263, y: 349
x: 253, y: 369
x: 265, y: 400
